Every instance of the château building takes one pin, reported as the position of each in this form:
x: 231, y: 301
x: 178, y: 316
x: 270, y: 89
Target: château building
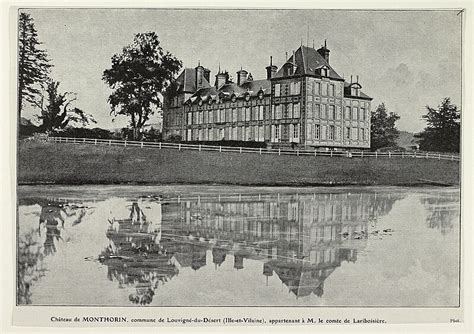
x: 305, y: 102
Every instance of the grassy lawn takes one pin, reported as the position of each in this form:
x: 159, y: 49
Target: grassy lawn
x: 87, y: 164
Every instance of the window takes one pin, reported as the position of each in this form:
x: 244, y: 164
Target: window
x: 239, y: 115
x: 242, y: 132
x: 247, y: 114
x: 354, y: 113
x: 361, y: 134
x: 347, y: 133
x: 277, y: 133
x: 296, y: 110
x: 248, y: 133
x: 234, y: 115
x: 277, y: 90
x: 347, y: 113
x: 354, y: 133
x: 317, y: 88
x: 324, y: 71
x: 295, y: 88
x: 254, y: 113
x: 362, y: 114
x: 189, y: 117
x: 260, y: 113
x: 317, y: 131
x: 278, y: 111
x: 323, y: 111
x: 296, y: 131
x: 332, y: 90
x: 355, y: 91
x: 205, y: 117
x: 325, y: 89
x: 234, y: 133
x: 331, y: 130
x: 332, y: 112
x: 317, y: 111
x: 260, y: 133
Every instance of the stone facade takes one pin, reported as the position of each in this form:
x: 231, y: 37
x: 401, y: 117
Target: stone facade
x: 305, y: 103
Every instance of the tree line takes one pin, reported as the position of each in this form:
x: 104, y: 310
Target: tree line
x: 143, y: 72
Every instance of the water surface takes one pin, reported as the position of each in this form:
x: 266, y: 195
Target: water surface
x: 238, y: 246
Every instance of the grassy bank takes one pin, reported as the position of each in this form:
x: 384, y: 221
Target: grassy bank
x: 88, y: 164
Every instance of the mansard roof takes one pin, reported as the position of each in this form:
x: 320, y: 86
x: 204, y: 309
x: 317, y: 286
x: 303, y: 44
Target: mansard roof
x: 187, y: 81
x: 252, y: 87
x: 308, y: 61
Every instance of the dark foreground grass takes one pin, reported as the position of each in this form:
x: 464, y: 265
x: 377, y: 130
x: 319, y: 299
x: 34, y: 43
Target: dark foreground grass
x: 88, y: 164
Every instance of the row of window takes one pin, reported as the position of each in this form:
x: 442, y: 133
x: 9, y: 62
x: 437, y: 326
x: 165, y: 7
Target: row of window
x: 258, y: 113
x: 246, y: 133
x: 227, y: 115
x: 332, y: 132
x: 243, y: 133
x: 324, y: 111
x: 286, y: 89
x: 323, y: 88
x: 280, y: 111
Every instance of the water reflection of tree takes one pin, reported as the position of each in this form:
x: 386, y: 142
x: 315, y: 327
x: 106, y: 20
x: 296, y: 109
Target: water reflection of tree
x: 30, y: 265
x: 135, y: 258
x: 442, y: 212
x: 35, y: 245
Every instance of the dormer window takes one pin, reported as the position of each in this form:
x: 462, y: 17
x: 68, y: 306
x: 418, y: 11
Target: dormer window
x: 234, y: 98
x: 355, y: 90
x: 247, y: 97
x: 288, y: 69
x: 324, y: 72
x: 260, y: 95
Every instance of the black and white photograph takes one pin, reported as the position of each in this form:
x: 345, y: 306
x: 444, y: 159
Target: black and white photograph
x: 187, y: 158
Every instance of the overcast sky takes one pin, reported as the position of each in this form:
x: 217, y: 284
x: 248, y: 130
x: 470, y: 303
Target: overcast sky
x: 406, y: 59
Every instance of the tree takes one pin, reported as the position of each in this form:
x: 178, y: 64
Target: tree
x: 383, y: 132
x: 444, y: 129
x: 55, y: 109
x: 33, y: 62
x: 139, y: 76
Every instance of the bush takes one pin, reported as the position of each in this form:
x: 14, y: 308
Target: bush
x: 96, y: 133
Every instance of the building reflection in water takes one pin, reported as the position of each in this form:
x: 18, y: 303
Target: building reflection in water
x: 35, y: 245
x: 443, y: 211
x: 301, y: 239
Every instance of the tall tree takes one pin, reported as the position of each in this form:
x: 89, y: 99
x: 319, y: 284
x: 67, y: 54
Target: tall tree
x: 139, y: 76
x: 33, y: 62
x: 56, y: 112
x: 444, y: 129
x: 383, y: 132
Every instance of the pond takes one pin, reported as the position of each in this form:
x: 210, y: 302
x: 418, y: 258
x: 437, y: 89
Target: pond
x: 238, y: 246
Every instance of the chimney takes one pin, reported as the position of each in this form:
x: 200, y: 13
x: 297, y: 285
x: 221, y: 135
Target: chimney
x: 241, y: 76
x: 324, y: 52
x: 221, y: 79
x: 207, y: 74
x: 199, y: 76
x: 271, y: 69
